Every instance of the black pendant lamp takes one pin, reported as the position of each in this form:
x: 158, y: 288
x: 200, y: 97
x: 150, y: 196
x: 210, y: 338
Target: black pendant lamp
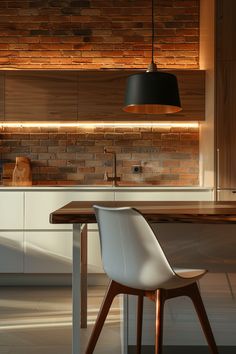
x: 152, y: 92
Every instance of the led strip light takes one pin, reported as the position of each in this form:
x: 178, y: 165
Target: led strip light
x: 96, y: 124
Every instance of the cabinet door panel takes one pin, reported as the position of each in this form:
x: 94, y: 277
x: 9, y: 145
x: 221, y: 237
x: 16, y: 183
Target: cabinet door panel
x: 51, y: 252
x: 226, y: 123
x: 2, y: 96
x: 11, y: 210
x: 101, y: 96
x: 226, y: 29
x: 165, y: 195
x: 38, y: 205
x: 48, y: 252
x: 40, y: 96
x: 226, y: 195
x: 11, y: 252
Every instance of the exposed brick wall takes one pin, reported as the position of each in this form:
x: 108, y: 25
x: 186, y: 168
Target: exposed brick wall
x: 95, y: 34
x: 168, y: 156
x: 72, y: 34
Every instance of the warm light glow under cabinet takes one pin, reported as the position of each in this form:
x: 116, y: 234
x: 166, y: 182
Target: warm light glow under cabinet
x: 97, y: 124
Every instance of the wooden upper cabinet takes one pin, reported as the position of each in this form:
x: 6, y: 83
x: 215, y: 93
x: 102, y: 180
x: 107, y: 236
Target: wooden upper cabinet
x: 90, y: 96
x: 2, y: 94
x: 101, y: 97
x: 192, y: 95
x: 225, y: 101
x: 226, y: 124
x: 41, y: 96
x: 225, y: 30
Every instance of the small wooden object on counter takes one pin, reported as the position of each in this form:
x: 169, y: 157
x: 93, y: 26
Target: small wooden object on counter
x: 22, y: 175
x: 7, y: 171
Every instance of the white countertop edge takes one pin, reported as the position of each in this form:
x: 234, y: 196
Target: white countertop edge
x: 106, y: 188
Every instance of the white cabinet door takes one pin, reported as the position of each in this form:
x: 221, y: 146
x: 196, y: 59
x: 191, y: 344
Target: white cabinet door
x: 165, y: 195
x: 226, y: 195
x: 11, y: 252
x: 48, y: 248
x: 48, y: 251
x: 51, y: 251
x: 39, y: 204
x: 11, y: 210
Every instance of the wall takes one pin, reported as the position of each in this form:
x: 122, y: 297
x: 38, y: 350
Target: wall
x: 207, y: 63
x: 97, y: 33
x: 101, y: 34
x: 168, y: 156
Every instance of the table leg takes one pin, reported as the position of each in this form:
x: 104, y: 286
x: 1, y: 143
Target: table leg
x: 84, y: 271
x: 76, y: 290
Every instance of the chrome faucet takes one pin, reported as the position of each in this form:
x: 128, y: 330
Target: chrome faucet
x: 114, y: 178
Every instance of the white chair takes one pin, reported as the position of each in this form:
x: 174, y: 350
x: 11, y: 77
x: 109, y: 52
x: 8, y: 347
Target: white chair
x: 136, y: 264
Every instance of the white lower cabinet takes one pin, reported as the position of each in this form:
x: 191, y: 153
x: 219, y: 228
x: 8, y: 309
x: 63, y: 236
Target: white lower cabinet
x: 30, y: 244
x: 48, y: 248
x: 51, y: 251
x: 48, y: 252
x: 39, y: 204
x: 226, y: 195
x: 11, y: 251
x: 165, y: 195
x: 11, y: 210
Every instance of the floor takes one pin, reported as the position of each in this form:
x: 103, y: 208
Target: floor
x: 38, y: 320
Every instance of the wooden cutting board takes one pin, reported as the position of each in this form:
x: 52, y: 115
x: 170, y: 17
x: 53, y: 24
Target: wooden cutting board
x: 22, y: 175
x: 7, y: 171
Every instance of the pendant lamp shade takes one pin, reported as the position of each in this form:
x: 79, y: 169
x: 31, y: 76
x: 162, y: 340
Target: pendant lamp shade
x: 152, y: 93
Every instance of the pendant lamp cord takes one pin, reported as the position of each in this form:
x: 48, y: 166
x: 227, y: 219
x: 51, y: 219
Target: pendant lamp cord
x: 152, y: 66
x: 153, y: 32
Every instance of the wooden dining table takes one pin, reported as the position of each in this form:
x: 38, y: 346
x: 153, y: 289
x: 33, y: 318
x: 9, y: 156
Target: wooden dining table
x: 82, y: 213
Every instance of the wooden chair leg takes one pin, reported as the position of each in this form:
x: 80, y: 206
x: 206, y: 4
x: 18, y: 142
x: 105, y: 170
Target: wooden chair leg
x: 112, y: 291
x: 159, y: 321
x: 139, y: 323
x: 195, y: 296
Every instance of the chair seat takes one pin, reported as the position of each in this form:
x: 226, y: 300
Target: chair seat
x: 189, y: 273
x: 182, y: 277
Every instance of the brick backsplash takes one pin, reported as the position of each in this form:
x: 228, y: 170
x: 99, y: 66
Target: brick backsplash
x: 168, y: 155
x: 96, y: 34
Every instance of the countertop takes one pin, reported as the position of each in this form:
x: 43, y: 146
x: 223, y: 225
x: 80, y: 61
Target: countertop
x: 103, y: 187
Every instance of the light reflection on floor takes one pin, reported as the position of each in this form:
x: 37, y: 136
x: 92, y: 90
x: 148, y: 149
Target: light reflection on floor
x: 38, y: 320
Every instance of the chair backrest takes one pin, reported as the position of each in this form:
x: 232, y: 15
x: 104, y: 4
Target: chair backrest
x: 131, y: 254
